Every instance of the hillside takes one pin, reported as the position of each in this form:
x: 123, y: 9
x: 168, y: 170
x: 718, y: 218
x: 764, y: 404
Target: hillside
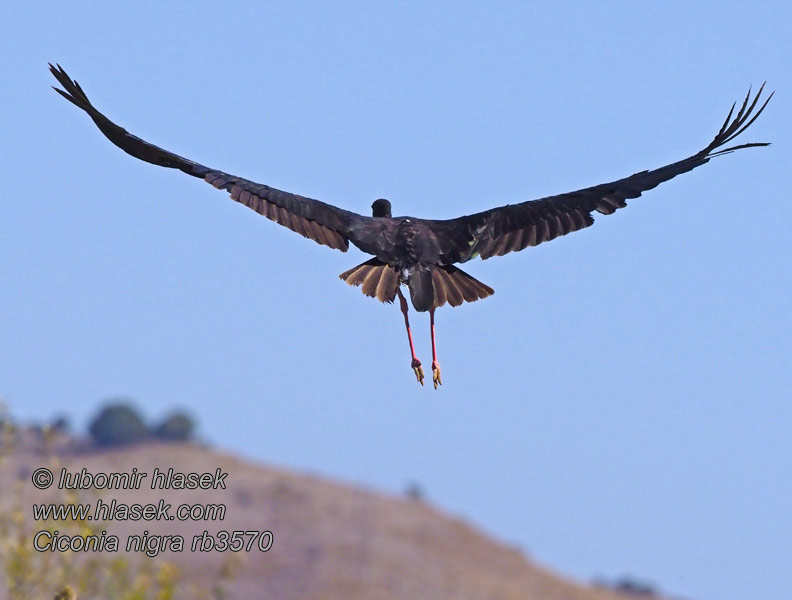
x: 331, y: 541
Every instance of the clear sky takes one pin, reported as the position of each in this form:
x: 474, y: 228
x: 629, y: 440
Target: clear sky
x: 620, y: 406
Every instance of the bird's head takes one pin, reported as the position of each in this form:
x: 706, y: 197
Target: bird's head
x: 381, y: 208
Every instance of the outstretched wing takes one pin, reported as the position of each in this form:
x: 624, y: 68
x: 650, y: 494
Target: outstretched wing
x: 514, y: 227
x: 321, y: 222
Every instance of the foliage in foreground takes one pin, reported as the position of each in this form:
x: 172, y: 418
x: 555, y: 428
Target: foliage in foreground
x: 32, y: 575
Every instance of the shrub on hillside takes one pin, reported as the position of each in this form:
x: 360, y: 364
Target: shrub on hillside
x: 177, y: 427
x: 117, y: 424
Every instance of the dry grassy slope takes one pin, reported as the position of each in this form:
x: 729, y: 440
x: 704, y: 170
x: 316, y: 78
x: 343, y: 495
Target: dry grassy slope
x: 332, y: 541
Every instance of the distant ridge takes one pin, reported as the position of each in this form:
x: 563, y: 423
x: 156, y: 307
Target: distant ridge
x: 331, y: 541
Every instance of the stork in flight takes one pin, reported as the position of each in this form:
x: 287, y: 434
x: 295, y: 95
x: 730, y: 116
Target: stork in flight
x: 421, y: 253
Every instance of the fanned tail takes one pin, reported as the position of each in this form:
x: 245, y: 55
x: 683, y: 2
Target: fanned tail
x: 454, y: 286
x: 377, y: 279
x: 431, y: 286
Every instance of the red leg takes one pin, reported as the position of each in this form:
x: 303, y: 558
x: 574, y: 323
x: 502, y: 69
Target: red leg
x: 416, y: 364
x: 435, y: 366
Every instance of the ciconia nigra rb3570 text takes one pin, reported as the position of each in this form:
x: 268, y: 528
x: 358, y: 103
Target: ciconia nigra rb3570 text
x: 421, y: 253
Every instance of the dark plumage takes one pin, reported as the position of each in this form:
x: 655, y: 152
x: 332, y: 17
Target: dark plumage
x: 421, y: 253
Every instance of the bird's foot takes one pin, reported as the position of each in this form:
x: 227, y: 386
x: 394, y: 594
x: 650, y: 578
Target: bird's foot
x: 436, y: 374
x: 418, y: 369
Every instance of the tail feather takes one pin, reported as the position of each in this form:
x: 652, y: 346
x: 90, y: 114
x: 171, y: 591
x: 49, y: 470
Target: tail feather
x: 377, y: 279
x: 422, y: 288
x: 455, y: 286
x: 439, y: 289
x: 388, y: 284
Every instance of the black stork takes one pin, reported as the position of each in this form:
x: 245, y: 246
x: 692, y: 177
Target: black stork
x: 421, y: 253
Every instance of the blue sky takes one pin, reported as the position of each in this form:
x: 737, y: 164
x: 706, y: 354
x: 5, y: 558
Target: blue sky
x: 621, y: 405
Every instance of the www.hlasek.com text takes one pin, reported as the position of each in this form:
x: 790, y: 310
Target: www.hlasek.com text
x: 118, y: 511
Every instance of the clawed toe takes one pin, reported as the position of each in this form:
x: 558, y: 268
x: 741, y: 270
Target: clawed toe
x: 418, y: 369
x: 436, y: 375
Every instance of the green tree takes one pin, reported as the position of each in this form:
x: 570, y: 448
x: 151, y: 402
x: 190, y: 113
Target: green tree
x: 176, y: 427
x: 116, y: 424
